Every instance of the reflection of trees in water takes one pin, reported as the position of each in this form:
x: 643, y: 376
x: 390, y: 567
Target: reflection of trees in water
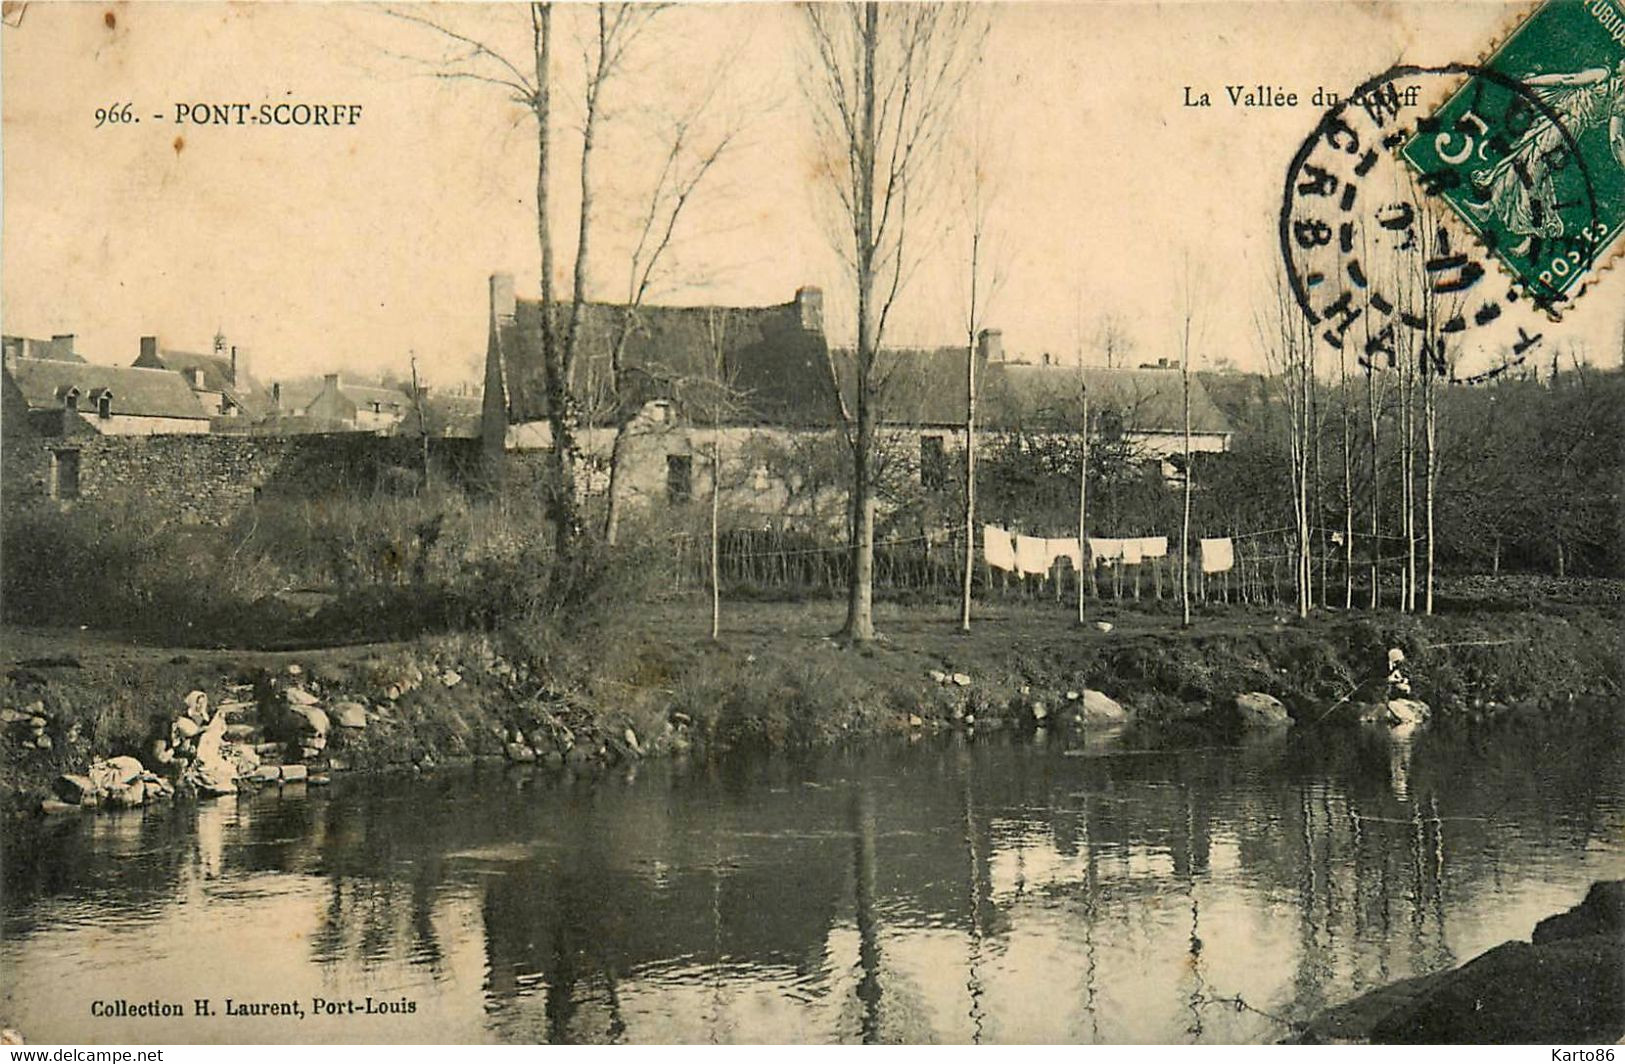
x: 595, y: 894
x: 863, y: 879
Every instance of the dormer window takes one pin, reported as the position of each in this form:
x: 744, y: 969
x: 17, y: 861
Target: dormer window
x: 70, y: 398
x: 104, y: 402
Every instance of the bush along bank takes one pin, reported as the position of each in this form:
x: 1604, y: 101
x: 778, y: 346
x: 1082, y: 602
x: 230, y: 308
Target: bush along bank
x: 223, y: 721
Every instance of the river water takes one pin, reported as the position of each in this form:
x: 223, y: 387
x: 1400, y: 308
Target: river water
x: 945, y: 890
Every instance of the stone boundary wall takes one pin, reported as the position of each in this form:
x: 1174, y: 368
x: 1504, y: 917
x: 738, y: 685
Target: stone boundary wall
x: 208, y: 479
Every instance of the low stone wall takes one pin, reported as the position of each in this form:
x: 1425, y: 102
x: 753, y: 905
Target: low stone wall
x: 207, y: 479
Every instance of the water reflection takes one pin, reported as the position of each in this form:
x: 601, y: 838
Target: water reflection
x: 965, y: 892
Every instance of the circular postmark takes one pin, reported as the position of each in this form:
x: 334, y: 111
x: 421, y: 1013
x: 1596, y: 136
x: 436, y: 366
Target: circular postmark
x: 1406, y: 232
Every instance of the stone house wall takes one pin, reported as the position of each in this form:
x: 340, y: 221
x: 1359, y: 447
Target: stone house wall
x: 208, y: 479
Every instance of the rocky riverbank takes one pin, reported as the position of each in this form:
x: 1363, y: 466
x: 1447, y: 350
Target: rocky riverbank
x: 1565, y: 986
x: 210, y: 722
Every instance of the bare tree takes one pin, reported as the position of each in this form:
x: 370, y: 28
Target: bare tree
x: 985, y: 279
x: 1112, y: 338
x: 1287, y: 342
x: 882, y: 87
x: 423, y: 420
x: 716, y: 335
x: 1188, y: 312
x: 682, y: 171
x: 529, y: 82
x: 1083, y: 483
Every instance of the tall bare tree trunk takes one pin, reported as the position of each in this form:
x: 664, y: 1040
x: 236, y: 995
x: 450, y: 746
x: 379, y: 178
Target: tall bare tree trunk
x: 1190, y: 475
x: 1374, y: 415
x: 970, y: 461
x: 612, y: 500
x: 423, y: 423
x: 1430, y: 432
x: 716, y: 505
x: 1306, y: 590
x: 1348, y: 484
x: 561, y: 411
x: 1409, y: 401
x: 1317, y: 423
x: 860, y: 623
x: 1084, y: 561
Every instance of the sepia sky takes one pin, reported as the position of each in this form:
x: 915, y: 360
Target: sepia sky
x: 348, y: 247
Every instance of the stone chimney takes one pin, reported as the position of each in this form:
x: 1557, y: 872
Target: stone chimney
x: 990, y: 345
x: 276, y: 397
x: 239, y: 369
x: 62, y: 347
x: 197, y: 377
x: 149, y: 352
x: 504, y: 307
x: 331, y: 382
x: 810, y: 308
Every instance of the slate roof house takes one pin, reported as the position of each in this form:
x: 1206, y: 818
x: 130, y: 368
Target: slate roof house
x: 775, y: 364
x: 220, y: 380
x: 332, y: 404
x: 61, y: 397
x: 772, y: 357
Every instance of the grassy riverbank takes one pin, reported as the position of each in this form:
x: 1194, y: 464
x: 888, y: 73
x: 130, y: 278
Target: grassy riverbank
x: 654, y: 683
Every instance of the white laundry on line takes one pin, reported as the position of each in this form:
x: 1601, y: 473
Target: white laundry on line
x: 1032, y: 555
x: 1218, y: 555
x: 1105, y: 550
x: 1131, y: 552
x: 1068, y: 549
x: 1154, y: 546
x: 997, y: 548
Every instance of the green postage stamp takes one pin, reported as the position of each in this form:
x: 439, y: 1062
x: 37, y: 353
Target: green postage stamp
x: 1530, y: 151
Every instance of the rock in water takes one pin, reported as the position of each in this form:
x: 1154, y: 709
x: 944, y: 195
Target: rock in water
x: 1255, y: 709
x: 1101, y: 709
x: 298, y: 696
x: 1516, y: 994
x: 349, y: 715
x: 315, y: 721
x: 245, y: 759
x: 1602, y: 913
x: 127, y: 767
x: 130, y: 795
x: 73, y: 788
x: 295, y: 773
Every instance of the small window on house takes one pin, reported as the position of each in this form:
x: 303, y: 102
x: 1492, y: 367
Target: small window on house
x: 933, y: 463
x: 104, y: 405
x: 70, y: 399
x: 65, y: 474
x: 377, y: 407
x: 679, y: 478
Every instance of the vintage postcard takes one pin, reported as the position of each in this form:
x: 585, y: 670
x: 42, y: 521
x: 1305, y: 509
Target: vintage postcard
x: 832, y: 523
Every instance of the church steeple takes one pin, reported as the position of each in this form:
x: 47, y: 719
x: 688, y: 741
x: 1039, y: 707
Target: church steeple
x: 220, y: 341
